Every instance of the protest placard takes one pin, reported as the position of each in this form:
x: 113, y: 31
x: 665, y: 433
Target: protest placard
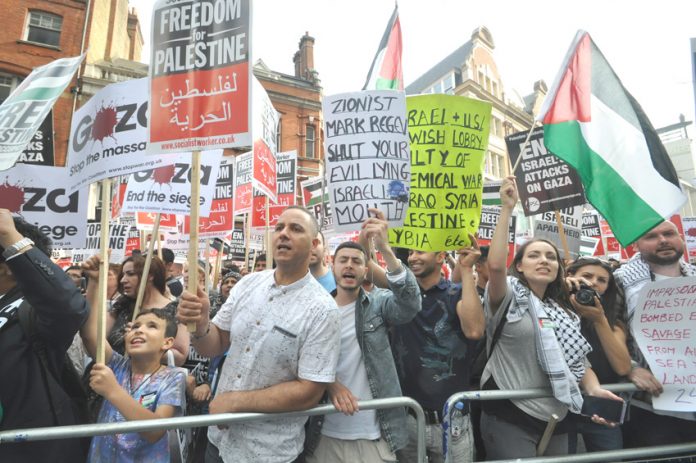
x: 25, y: 109
x: 285, y: 184
x: 200, y: 74
x: 449, y: 138
x: 39, y: 151
x: 317, y: 204
x: 38, y: 193
x: 167, y: 189
x: 243, y: 171
x: 544, y: 181
x: 689, y: 224
x: 146, y: 221
x: 591, y: 229
x: 546, y: 227
x: 108, y: 135
x: 265, y: 132
x: 118, y: 237
x: 367, y: 156
x: 489, y: 220
x: 664, y: 326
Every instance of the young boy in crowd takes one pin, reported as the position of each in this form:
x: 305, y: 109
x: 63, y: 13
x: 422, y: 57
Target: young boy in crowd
x: 137, y: 387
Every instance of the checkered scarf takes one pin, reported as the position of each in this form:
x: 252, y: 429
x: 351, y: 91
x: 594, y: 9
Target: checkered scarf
x: 561, y: 351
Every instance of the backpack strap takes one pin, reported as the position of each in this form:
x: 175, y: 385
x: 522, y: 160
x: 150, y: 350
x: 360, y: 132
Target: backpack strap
x: 499, y: 329
x: 27, y: 320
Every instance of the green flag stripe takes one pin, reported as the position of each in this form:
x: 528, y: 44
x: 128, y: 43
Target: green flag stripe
x: 386, y: 84
x: 628, y: 218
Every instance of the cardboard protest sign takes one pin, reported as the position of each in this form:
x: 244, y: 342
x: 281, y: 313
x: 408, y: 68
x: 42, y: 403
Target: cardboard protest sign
x: 544, y: 181
x: 317, y: 204
x: 38, y: 193
x: 220, y: 220
x: 664, y: 327
x: 167, y: 189
x: 591, y: 229
x: 546, y: 227
x: 491, y: 192
x: 200, y: 73
x: 25, y: 109
x: 367, y: 156
x: 39, y: 151
x: 286, y: 185
x: 489, y: 220
x: 689, y: 224
x: 118, y: 237
x: 449, y: 138
x: 265, y: 132
x: 108, y: 135
x: 243, y: 171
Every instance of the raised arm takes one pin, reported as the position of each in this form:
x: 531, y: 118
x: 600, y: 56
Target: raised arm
x: 208, y: 339
x: 497, y: 253
x: 88, y: 332
x: 469, y: 309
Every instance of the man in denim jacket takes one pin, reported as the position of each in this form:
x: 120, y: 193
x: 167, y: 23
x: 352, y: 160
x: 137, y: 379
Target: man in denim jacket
x: 365, y: 366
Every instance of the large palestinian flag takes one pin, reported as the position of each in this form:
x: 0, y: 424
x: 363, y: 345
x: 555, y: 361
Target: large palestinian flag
x: 596, y: 126
x: 385, y: 72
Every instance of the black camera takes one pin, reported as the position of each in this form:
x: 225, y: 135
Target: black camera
x: 585, y: 295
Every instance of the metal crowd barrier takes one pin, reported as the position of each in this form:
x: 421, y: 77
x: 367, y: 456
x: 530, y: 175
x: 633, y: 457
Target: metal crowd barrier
x: 100, y: 429
x: 603, y: 456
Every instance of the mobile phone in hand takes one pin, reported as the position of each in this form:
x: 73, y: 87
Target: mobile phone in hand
x: 609, y: 409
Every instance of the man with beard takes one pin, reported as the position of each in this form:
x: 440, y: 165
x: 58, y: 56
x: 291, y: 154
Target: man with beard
x: 658, y: 258
x: 435, y: 351
x: 365, y: 367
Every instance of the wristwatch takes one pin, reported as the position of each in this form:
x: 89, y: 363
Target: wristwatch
x: 11, y: 251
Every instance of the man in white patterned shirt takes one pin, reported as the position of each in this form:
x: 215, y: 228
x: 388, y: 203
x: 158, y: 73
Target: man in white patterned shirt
x: 282, y: 331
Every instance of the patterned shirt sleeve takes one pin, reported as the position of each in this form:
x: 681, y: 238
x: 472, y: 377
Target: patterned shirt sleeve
x: 173, y: 390
x: 319, y: 352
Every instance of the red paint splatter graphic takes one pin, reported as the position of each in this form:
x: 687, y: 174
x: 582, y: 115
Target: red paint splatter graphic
x: 11, y: 197
x: 104, y: 123
x: 691, y: 232
x: 163, y: 175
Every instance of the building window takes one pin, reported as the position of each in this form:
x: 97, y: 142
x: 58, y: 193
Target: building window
x: 448, y: 84
x: 44, y: 28
x: 7, y: 84
x: 310, y: 139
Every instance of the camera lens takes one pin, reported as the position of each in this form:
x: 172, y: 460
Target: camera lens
x: 585, y: 296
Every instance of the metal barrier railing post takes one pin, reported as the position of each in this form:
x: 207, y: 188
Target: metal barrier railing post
x: 100, y: 429
x: 610, y: 455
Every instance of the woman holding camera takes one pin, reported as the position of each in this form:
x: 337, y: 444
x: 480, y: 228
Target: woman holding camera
x: 596, y: 298
x: 539, y: 346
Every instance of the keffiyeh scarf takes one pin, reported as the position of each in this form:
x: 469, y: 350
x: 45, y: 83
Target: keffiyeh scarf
x: 561, y: 348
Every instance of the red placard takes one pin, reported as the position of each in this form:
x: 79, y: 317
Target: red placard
x: 146, y: 220
x: 219, y: 223
x: 265, y: 169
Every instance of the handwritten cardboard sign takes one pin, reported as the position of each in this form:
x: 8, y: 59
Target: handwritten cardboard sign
x: 449, y: 138
x: 545, y: 182
x: 167, y: 189
x: 367, y: 156
x: 664, y: 326
x: 200, y: 73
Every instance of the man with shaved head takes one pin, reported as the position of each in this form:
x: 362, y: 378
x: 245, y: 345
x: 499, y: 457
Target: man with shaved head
x: 281, y: 329
x: 659, y: 258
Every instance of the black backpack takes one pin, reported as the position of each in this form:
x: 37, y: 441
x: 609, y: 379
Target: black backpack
x: 68, y: 379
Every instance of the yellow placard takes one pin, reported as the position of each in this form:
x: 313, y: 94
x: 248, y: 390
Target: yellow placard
x: 449, y: 138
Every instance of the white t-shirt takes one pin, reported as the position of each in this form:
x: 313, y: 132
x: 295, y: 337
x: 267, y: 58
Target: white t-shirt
x: 351, y: 372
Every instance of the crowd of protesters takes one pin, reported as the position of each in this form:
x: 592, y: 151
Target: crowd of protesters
x: 335, y: 329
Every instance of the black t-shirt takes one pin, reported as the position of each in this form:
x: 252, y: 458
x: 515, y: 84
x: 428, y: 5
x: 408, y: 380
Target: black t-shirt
x: 432, y: 355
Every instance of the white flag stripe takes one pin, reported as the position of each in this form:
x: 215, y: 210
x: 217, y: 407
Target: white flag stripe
x: 663, y: 196
x: 50, y: 82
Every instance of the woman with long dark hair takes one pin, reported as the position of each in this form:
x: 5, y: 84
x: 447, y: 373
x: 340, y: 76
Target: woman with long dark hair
x: 539, y: 346
x: 603, y: 326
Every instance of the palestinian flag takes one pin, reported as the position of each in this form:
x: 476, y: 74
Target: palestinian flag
x: 385, y: 72
x: 596, y: 126
x: 311, y: 191
x: 491, y: 193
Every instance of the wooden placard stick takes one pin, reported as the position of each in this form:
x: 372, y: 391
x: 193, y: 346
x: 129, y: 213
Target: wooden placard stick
x: 218, y: 264
x: 193, y: 229
x: 146, y: 268
x: 247, y: 240
x: 207, y: 266
x: 561, y: 232
x: 269, y: 249
x: 546, y: 437
x: 103, y: 269
x: 524, y: 146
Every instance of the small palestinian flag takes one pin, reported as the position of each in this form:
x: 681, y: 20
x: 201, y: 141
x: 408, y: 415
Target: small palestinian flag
x: 491, y: 193
x: 311, y: 191
x: 386, y: 72
x: 596, y: 126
